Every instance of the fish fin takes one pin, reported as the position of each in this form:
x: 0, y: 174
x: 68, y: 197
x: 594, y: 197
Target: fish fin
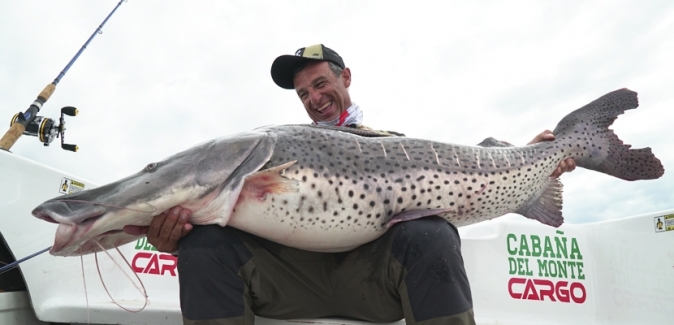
x: 416, y: 214
x: 594, y: 146
x: 229, y: 161
x: 491, y: 142
x: 545, y: 207
x: 271, y: 180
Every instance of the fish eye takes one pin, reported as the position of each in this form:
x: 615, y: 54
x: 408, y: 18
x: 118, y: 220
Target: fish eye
x: 151, y: 166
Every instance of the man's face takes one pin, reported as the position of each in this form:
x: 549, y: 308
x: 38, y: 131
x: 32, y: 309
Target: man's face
x: 324, y: 95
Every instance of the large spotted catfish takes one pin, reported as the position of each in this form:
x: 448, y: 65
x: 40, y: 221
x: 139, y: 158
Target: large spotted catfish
x: 330, y: 190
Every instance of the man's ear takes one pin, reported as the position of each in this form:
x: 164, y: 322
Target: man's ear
x: 346, y: 77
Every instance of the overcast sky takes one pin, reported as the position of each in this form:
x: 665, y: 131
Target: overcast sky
x: 166, y: 75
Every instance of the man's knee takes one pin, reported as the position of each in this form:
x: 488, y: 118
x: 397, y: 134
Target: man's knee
x: 209, y: 236
x: 424, y: 236
x: 212, y: 246
x: 209, y: 261
x: 429, y: 250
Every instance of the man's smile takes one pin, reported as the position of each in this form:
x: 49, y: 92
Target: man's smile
x: 322, y: 108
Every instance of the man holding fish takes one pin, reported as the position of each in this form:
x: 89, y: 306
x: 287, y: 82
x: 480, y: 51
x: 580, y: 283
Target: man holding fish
x: 227, y: 276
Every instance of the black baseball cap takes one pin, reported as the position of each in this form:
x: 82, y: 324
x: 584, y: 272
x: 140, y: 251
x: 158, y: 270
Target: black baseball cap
x: 284, y: 66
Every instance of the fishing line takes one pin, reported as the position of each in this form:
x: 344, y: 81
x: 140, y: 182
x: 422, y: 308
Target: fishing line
x: 142, y: 291
x: 16, y: 263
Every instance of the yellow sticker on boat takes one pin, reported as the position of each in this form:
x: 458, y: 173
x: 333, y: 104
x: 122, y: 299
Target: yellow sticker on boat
x: 70, y: 186
x: 664, y: 223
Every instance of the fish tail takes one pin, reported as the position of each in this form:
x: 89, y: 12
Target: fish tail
x: 585, y: 136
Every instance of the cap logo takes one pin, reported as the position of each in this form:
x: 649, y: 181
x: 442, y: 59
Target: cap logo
x: 313, y: 52
x: 299, y: 52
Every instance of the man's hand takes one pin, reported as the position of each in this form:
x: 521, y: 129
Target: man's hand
x: 565, y: 165
x: 165, y: 229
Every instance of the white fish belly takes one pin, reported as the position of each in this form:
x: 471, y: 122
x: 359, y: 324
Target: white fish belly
x: 331, y: 214
x: 305, y: 222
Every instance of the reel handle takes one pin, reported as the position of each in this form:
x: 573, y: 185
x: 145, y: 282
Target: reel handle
x: 70, y: 147
x: 69, y: 110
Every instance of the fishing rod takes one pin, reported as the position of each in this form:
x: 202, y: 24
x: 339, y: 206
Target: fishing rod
x: 16, y: 263
x: 45, y: 129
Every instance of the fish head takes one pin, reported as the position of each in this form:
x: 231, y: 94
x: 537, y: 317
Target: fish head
x: 205, y: 179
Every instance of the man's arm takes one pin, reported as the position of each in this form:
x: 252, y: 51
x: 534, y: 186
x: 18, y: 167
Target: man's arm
x: 165, y: 229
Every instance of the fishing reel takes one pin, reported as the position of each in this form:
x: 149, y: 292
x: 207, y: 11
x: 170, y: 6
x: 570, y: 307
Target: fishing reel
x: 45, y: 129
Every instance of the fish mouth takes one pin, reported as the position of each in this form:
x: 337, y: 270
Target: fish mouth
x: 72, y: 241
x: 75, y: 221
x: 70, y: 238
x: 68, y: 212
x: 83, y: 227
